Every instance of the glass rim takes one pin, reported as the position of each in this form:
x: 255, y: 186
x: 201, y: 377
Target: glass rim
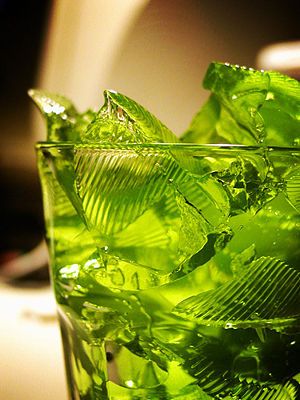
x: 41, y: 145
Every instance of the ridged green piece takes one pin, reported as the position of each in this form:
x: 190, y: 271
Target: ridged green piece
x: 118, y: 186
x: 288, y: 391
x: 292, y: 189
x: 122, y: 192
x: 266, y: 294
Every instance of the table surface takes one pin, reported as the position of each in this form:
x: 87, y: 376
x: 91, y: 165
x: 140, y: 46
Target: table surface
x: 31, y: 359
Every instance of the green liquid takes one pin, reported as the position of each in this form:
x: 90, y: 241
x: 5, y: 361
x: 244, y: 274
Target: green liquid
x: 176, y: 270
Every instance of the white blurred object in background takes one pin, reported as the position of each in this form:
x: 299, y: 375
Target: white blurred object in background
x: 82, y: 41
x: 283, y: 57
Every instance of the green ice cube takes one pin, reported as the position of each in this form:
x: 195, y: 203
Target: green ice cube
x: 247, y: 107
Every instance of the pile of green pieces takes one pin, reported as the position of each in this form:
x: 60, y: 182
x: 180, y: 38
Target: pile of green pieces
x: 246, y: 107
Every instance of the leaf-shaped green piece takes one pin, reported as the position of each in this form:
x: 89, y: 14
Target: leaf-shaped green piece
x: 122, y: 120
x: 267, y: 294
x: 64, y: 122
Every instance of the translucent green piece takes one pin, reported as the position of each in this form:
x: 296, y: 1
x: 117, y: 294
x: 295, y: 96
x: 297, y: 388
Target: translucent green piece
x: 60, y: 164
x: 202, y: 127
x: 64, y: 122
x: 121, y: 119
x: 292, y: 189
x: 242, y: 92
x: 247, y: 107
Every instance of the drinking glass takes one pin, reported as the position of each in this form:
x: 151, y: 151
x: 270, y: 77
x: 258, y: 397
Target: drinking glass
x: 175, y: 269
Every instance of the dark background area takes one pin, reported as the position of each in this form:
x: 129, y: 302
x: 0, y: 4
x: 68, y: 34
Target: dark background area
x: 22, y: 29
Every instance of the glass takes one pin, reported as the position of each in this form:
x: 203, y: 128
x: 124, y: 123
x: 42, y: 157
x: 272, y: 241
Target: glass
x: 175, y: 269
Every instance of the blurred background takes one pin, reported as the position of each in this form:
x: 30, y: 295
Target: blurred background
x: 155, y: 51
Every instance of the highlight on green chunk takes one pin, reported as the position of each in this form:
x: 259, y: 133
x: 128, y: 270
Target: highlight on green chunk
x: 247, y: 107
x: 123, y: 120
x: 64, y: 122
